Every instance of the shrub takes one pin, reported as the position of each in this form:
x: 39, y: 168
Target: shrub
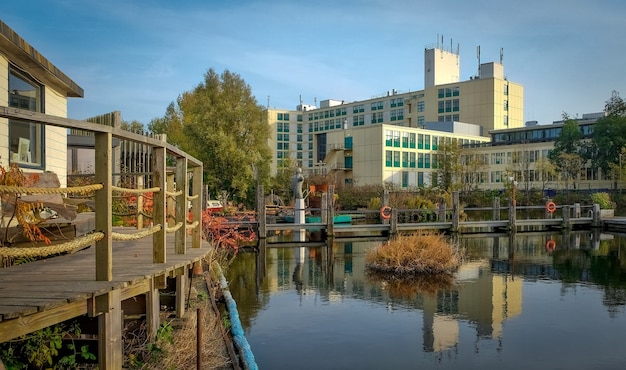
x: 414, y: 254
x: 603, y: 199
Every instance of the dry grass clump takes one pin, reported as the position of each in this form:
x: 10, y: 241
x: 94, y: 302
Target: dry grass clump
x: 408, y: 287
x: 175, y: 347
x: 414, y: 254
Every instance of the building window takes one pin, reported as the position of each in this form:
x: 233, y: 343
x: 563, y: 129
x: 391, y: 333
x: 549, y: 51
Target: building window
x: 412, y: 160
x: 396, y: 139
x: 412, y: 140
x: 506, y: 105
x: 388, y: 138
x: 440, y: 106
x: 405, y: 179
x: 420, y: 106
x: 440, y: 93
x: 405, y: 159
x: 286, y: 117
x: 420, y: 121
x: 26, y: 139
x: 279, y: 116
x: 506, y: 89
x: 455, y: 91
x: 396, y: 158
x: 455, y: 105
x: 405, y: 139
x: 427, y: 142
x: 388, y: 158
x: 420, y: 141
x: 420, y: 160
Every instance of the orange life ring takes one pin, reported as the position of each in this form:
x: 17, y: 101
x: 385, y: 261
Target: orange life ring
x: 550, y: 207
x: 550, y: 245
x: 385, y: 212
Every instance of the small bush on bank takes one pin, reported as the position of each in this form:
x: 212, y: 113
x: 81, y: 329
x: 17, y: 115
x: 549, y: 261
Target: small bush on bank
x: 602, y: 199
x: 414, y: 254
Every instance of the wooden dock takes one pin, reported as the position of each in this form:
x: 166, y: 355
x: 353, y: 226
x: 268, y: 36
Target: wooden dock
x: 448, y: 219
x: 46, y: 292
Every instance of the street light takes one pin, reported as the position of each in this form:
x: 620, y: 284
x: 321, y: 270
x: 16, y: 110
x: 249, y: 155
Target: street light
x: 513, y: 188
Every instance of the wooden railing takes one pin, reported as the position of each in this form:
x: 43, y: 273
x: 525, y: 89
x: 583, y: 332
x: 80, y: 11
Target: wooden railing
x: 185, y: 164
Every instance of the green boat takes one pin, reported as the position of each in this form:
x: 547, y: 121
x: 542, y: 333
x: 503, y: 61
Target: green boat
x: 337, y: 219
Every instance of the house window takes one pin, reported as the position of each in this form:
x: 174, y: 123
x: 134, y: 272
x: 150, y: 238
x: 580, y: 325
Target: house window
x: 26, y: 139
x: 420, y: 106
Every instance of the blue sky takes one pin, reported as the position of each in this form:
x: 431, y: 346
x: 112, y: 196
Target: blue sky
x: 138, y: 56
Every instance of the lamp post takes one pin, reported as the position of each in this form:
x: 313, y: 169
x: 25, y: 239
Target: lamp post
x: 513, y: 189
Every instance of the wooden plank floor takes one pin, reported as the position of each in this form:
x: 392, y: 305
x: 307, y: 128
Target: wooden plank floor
x: 56, y: 282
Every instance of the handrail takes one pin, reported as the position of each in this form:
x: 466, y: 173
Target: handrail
x: 25, y: 115
x: 185, y: 164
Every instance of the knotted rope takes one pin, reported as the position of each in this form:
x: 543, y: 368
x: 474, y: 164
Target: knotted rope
x: 77, y: 243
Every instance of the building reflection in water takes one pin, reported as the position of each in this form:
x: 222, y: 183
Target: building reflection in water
x: 485, y: 292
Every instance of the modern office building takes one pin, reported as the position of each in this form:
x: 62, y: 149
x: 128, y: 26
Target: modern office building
x: 393, y: 137
x: 521, y: 155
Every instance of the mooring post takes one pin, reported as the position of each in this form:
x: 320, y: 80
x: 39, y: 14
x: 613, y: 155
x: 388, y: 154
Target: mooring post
x: 566, y: 217
x: 393, y: 227
x: 456, y: 211
x: 496, y: 209
x: 261, y: 213
x: 596, y: 222
x: 330, y: 226
x: 576, y: 210
x: 512, y: 215
x: 441, y: 210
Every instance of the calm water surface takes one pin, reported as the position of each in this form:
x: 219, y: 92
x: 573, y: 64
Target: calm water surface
x: 513, y: 305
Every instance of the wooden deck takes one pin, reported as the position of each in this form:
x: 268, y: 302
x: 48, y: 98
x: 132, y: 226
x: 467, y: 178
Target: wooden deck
x: 42, y: 293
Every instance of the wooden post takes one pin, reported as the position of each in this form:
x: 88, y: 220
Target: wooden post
x: 566, y: 217
x: 196, y: 206
x: 110, y: 333
x: 577, y: 210
x: 140, y: 185
x: 158, y: 209
x: 393, y: 227
x: 596, y: 222
x: 512, y: 215
x: 330, y: 229
x: 441, y: 212
x: 153, y: 306
x: 103, y: 200
x: 456, y: 211
x: 324, y: 210
x: 260, y: 213
x: 181, y: 286
x: 180, y: 236
x: 171, y: 202
x: 496, y: 209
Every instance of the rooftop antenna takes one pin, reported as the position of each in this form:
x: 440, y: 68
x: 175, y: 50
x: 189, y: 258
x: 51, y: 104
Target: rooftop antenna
x: 300, y: 99
x: 268, y: 102
x: 501, y: 55
x: 478, y: 56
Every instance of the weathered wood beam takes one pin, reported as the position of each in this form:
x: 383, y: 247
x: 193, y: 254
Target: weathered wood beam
x: 103, y: 200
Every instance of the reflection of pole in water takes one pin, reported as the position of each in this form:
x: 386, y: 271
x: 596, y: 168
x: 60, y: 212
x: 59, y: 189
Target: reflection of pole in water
x: 298, y: 278
x: 261, y: 262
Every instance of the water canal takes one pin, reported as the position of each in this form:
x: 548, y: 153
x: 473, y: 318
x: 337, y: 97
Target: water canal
x: 514, y: 304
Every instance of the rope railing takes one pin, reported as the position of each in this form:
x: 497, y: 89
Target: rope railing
x: 136, y: 191
x: 77, y: 243
x: 174, y: 228
x: 137, y: 235
x: 174, y: 194
x: 70, y: 190
x: 192, y: 225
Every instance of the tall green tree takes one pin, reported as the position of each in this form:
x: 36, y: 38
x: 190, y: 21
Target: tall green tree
x: 449, y: 164
x: 609, y: 136
x: 568, y: 150
x: 221, y: 123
